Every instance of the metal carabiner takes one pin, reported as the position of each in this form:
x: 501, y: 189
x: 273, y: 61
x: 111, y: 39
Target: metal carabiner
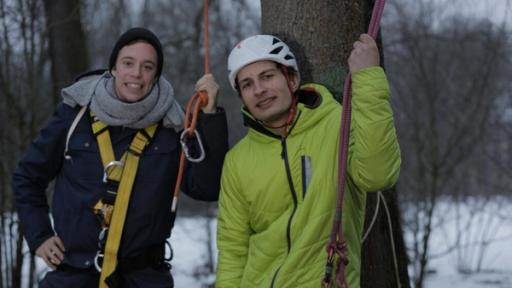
x: 108, y: 167
x: 96, y: 259
x: 183, y: 142
x: 171, y: 252
x: 102, y: 237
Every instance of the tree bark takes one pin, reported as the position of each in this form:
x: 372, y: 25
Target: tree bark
x: 321, y: 34
x: 384, y: 244
x: 68, y: 49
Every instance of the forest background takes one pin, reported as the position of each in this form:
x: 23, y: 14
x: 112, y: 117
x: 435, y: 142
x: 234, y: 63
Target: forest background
x: 448, y: 63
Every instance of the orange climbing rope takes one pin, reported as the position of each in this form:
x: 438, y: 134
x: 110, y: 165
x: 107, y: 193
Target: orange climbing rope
x: 195, y: 103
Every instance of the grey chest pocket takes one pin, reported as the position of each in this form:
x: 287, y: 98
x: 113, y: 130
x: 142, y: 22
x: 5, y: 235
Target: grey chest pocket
x: 306, y: 173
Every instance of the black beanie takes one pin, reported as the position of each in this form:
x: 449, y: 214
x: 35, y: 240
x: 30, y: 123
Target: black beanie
x: 135, y: 34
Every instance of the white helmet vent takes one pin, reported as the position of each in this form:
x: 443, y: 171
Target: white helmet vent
x: 276, y: 50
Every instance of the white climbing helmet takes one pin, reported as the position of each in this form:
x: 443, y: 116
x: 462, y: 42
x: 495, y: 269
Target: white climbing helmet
x: 257, y: 48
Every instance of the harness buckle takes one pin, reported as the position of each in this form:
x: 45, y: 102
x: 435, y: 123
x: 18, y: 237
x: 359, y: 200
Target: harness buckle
x: 109, y: 166
x: 183, y: 141
x: 104, y: 212
x: 102, y: 238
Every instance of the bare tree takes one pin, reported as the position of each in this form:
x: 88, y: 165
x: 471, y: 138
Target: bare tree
x: 321, y: 33
x: 497, y: 152
x: 449, y: 69
x: 22, y: 62
x: 68, y: 52
x: 101, y: 31
x: 25, y: 103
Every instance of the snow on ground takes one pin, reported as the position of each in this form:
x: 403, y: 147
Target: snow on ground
x: 483, y: 232
x: 191, y: 252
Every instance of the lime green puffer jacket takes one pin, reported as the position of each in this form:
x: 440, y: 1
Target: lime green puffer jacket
x: 278, y: 196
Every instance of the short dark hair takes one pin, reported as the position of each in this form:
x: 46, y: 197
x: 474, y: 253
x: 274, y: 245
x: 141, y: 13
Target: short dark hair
x: 291, y: 72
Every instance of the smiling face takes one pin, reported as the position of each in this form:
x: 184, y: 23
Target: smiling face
x: 265, y: 93
x: 135, y: 71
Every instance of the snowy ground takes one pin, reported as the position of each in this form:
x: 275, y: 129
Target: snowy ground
x: 483, y: 232
x: 191, y: 252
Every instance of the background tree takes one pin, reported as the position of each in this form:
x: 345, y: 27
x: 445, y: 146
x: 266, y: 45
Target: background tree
x: 67, y: 46
x: 451, y: 75
x: 22, y: 108
x: 322, y: 32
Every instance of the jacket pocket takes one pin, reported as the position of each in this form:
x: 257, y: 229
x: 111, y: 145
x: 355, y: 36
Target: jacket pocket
x: 161, y: 157
x: 85, y: 160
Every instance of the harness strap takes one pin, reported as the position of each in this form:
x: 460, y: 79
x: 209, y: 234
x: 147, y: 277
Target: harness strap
x: 124, y: 174
x: 100, y: 130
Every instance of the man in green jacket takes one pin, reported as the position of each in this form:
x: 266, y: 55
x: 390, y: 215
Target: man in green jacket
x: 279, y: 183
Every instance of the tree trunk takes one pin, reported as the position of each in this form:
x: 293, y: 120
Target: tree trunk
x: 321, y: 34
x: 68, y: 49
x: 380, y: 247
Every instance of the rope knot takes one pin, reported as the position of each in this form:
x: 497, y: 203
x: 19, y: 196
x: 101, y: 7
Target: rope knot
x: 342, y: 252
x: 340, y: 248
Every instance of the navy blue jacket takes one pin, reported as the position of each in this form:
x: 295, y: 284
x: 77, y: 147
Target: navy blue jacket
x: 78, y: 184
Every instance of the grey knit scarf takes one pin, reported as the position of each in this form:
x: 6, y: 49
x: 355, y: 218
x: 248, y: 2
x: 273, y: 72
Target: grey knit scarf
x: 98, y: 92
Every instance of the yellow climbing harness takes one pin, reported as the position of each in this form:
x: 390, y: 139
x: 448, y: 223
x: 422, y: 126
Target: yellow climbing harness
x: 123, y: 173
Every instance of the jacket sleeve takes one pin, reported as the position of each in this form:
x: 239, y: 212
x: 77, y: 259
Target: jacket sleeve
x: 233, y: 230
x: 202, y: 180
x: 374, y: 158
x: 39, y: 165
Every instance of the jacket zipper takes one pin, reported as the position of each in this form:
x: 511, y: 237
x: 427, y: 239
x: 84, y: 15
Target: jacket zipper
x: 284, y: 156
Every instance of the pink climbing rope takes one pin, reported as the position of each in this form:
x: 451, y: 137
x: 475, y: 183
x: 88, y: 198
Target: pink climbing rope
x: 337, y: 243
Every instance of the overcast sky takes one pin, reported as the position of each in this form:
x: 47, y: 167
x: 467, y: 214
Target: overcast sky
x: 494, y: 10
